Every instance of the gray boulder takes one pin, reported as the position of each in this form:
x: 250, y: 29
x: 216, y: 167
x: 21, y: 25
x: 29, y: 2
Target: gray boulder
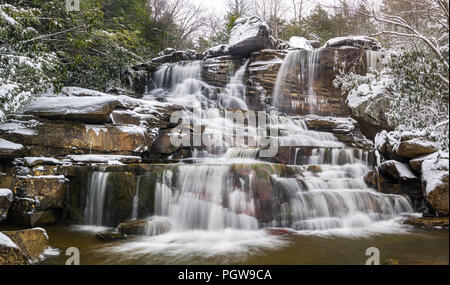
x: 250, y: 34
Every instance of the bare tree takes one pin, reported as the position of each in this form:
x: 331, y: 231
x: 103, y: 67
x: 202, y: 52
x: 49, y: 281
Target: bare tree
x: 182, y: 17
x: 423, y: 20
x: 239, y: 7
x: 271, y: 11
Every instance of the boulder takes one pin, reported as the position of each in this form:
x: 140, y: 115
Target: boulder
x: 416, y: 147
x: 32, y: 242
x: 427, y: 222
x: 354, y: 41
x: 280, y: 231
x: 435, y: 183
x: 138, y: 227
x: 91, y: 109
x: 9, y: 149
x: 397, y: 170
x: 81, y: 92
x: 216, y: 51
x: 110, y: 236
x: 300, y: 43
x: 6, y: 198
x: 150, y: 227
x: 368, y: 108
x: 10, y: 253
x: 416, y: 163
x: 314, y: 43
x: 250, y: 34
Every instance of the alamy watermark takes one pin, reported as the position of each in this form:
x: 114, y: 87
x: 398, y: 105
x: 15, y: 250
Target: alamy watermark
x: 235, y: 129
x: 374, y: 254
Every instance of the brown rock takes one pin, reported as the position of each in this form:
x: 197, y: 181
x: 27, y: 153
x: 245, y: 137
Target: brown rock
x: 435, y: 183
x: 32, y: 242
x: 427, y: 222
x: 48, y: 190
x: 416, y: 147
x: 138, y: 227
x: 280, y: 231
x: 10, y: 253
x: 92, y: 109
x: 110, y: 236
x: 397, y: 170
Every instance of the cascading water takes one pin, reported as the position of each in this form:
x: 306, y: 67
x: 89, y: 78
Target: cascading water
x: 225, y: 195
x: 305, y: 65
x: 95, y: 199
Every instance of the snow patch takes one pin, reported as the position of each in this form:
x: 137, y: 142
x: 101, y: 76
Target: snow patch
x: 300, y: 43
x: 4, y: 144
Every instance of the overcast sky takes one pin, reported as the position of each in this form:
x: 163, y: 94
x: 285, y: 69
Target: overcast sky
x: 220, y: 8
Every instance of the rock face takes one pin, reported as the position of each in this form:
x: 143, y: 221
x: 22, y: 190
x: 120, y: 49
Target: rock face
x: 435, y: 182
x: 249, y: 35
x: 6, y: 198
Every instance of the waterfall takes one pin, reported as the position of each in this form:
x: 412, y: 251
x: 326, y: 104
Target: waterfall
x: 95, y: 199
x: 299, y: 68
x: 135, y: 210
x: 169, y: 75
x: 234, y: 95
x: 194, y: 199
x: 372, y: 58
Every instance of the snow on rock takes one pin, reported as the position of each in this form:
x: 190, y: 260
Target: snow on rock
x: 398, y: 170
x: 6, y: 241
x: 416, y: 163
x: 435, y: 184
x: 416, y: 147
x: 300, y: 43
x: 354, y: 41
x: 33, y: 161
x: 81, y: 92
x: 5, y: 193
x: 110, y: 159
x: 24, y: 128
x: 250, y: 34
x: 8, y: 149
x: 216, y: 51
x: 86, y: 109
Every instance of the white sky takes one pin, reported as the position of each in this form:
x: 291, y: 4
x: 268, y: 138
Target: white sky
x: 220, y: 8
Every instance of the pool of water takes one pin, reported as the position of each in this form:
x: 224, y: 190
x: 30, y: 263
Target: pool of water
x: 402, y: 243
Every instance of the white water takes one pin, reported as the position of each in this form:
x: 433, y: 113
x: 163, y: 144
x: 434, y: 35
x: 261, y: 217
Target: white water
x: 95, y: 199
x: 307, y: 63
x: 219, y: 204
